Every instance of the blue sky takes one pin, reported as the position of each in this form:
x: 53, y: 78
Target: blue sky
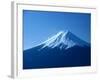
x: 39, y: 25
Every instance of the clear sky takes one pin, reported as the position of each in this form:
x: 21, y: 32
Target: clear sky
x: 39, y: 25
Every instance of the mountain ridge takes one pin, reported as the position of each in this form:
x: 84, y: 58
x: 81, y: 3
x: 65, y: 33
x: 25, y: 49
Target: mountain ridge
x: 63, y: 39
x: 61, y: 50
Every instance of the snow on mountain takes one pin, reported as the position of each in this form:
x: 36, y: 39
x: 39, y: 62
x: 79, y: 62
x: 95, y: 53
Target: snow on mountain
x: 64, y: 49
x: 64, y: 40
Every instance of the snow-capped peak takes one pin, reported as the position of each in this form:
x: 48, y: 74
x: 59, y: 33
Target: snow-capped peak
x: 63, y: 40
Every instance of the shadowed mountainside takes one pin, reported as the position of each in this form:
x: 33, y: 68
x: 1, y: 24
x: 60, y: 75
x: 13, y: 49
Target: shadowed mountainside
x: 62, y: 50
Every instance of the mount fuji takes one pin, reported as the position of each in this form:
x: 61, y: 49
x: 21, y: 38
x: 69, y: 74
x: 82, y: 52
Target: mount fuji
x: 64, y: 40
x: 61, y: 50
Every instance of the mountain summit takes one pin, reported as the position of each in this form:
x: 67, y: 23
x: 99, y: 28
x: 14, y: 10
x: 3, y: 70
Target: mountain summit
x: 64, y: 40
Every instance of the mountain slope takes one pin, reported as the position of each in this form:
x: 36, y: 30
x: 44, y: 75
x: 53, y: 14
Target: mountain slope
x: 62, y: 50
x: 64, y: 40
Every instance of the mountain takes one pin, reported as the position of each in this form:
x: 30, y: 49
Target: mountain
x: 62, y: 50
x: 64, y: 40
